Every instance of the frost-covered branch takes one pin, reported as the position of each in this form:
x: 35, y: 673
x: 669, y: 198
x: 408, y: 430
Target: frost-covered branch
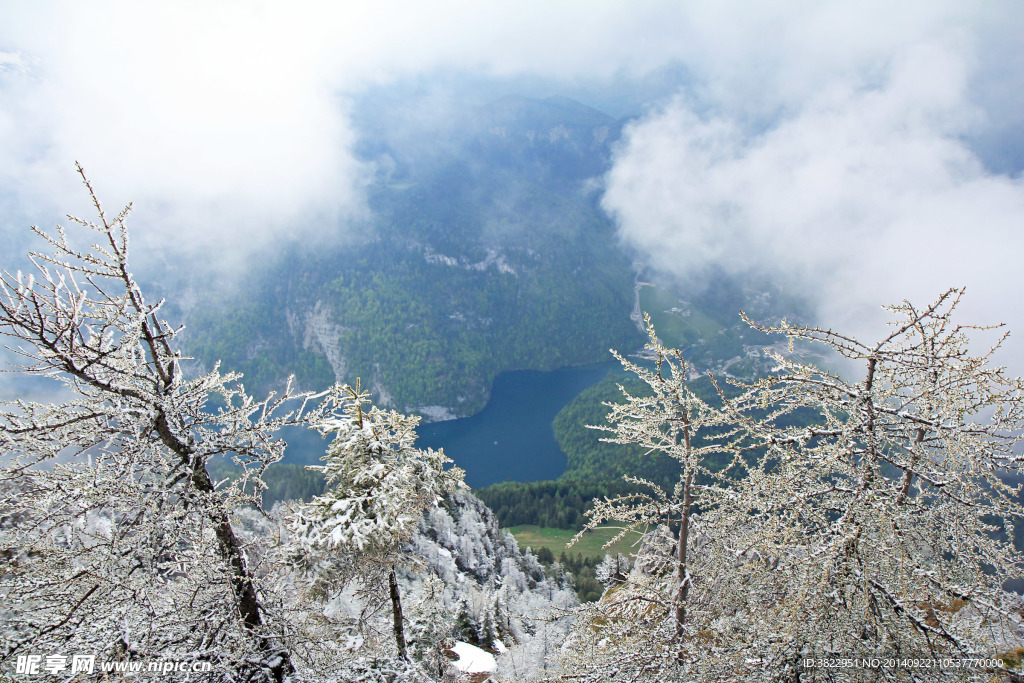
x: 865, y: 517
x: 109, y: 504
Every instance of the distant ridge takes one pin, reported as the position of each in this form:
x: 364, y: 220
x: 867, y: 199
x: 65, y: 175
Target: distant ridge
x: 555, y: 110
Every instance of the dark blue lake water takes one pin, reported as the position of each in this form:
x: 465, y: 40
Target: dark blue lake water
x: 511, y: 438
x: 305, y: 446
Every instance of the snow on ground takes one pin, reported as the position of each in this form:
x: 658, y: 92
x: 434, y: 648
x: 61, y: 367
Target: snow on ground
x: 473, y: 660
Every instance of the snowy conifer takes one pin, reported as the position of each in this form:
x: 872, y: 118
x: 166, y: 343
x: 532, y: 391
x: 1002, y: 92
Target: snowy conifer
x: 378, y: 487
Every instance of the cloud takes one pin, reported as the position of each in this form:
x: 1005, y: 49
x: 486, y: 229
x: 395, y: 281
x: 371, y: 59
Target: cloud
x: 864, y: 151
x: 218, y: 131
x: 849, y: 173
x: 227, y: 122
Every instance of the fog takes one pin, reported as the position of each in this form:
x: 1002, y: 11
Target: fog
x: 228, y: 124
x: 858, y: 160
x: 862, y: 153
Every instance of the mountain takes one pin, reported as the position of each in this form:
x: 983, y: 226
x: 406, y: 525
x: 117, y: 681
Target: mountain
x: 486, y: 251
x: 464, y: 579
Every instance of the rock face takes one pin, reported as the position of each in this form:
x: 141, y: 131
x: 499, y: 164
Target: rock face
x: 656, y: 556
x: 322, y: 334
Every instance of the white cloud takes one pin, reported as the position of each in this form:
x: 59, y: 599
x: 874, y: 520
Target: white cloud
x: 857, y: 184
x: 217, y: 129
x: 833, y: 141
x: 226, y: 121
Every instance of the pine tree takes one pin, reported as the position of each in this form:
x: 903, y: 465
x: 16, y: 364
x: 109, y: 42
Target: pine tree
x: 378, y: 487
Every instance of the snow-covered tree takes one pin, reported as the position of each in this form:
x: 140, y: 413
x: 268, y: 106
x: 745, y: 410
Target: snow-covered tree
x: 870, y: 518
x: 888, y: 503
x: 431, y: 626
x: 612, y: 570
x: 689, y: 590
x: 378, y: 487
x: 115, y: 540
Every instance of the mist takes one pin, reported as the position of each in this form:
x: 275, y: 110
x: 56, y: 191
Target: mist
x: 229, y: 124
x: 860, y: 153
x: 863, y: 169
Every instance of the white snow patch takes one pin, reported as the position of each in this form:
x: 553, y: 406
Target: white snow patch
x: 500, y: 647
x: 473, y: 660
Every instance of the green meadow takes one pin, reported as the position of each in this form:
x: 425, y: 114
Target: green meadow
x: 590, y: 546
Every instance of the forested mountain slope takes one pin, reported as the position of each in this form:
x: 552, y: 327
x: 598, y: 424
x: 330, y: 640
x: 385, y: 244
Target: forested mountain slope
x: 707, y: 328
x: 486, y: 251
x: 469, y: 582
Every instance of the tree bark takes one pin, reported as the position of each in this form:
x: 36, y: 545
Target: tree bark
x: 246, y: 600
x: 682, y: 573
x: 396, y: 612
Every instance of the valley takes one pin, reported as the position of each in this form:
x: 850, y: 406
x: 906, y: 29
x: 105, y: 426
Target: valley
x: 327, y: 326
x: 483, y: 292
x: 486, y: 250
x: 486, y: 260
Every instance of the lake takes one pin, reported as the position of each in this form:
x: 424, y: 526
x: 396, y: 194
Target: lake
x: 512, y: 438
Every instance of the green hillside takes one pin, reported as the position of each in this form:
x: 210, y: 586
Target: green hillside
x: 484, y: 253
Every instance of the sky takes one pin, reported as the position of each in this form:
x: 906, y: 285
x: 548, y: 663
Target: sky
x: 861, y: 152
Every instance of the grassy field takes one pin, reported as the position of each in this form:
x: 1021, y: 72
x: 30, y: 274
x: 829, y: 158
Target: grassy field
x: 674, y: 329
x: 555, y: 539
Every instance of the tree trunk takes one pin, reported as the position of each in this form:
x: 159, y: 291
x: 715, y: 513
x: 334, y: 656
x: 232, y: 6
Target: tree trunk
x: 249, y: 608
x: 396, y: 612
x: 277, y: 657
x: 682, y: 573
